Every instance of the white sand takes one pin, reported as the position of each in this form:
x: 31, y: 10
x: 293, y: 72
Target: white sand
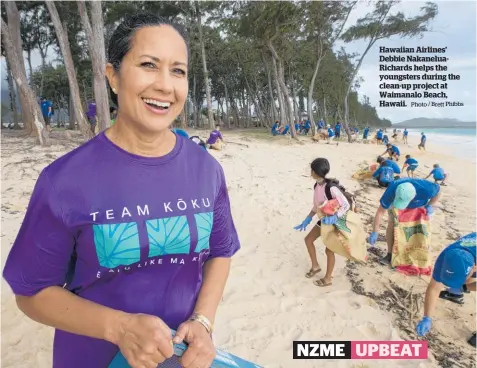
x: 268, y: 302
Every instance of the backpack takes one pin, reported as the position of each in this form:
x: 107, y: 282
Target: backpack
x: 386, y: 175
x: 198, y: 141
x: 349, y: 197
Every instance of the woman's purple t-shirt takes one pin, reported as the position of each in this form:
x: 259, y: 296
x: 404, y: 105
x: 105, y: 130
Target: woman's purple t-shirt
x: 137, y: 229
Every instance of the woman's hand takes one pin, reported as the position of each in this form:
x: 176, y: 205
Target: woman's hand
x: 200, y: 352
x: 144, y: 340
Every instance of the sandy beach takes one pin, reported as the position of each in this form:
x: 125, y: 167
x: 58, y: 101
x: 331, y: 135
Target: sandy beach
x: 268, y: 302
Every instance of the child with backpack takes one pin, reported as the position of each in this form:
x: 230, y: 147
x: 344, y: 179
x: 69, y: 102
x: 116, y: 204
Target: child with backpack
x: 349, y: 241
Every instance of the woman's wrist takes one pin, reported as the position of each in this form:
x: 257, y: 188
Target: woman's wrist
x: 115, y: 326
x: 203, y: 320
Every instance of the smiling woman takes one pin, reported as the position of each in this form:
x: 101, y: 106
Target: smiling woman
x: 117, y: 247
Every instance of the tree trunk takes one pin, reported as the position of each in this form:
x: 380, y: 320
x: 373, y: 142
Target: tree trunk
x: 284, y: 88
x: 281, y: 102
x: 85, y: 93
x: 227, y: 118
x: 310, y: 94
x: 43, y: 65
x: 30, y: 67
x: 247, y: 108
x: 71, y: 113
x: 187, y: 112
x: 27, y: 110
x: 183, y: 119
x: 15, y: 61
x: 346, y: 107
x: 301, y: 100
x: 62, y: 36
x: 204, y: 65
x: 296, y: 108
x: 270, y: 90
x: 13, y: 101
x: 235, y: 112
x: 98, y: 58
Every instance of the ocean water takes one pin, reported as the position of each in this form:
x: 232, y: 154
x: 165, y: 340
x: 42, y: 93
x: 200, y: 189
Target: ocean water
x: 461, y: 142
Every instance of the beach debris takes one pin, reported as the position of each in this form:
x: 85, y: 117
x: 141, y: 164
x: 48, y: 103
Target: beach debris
x: 238, y: 144
x: 404, y: 303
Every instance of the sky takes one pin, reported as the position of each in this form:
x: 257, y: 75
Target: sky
x: 454, y: 27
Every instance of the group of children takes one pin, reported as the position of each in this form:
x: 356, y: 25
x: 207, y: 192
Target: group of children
x: 303, y: 127
x: 454, y: 268
x: 389, y: 170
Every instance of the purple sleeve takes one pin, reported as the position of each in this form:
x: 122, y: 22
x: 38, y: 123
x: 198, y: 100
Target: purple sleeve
x: 220, y: 136
x: 224, y: 240
x: 40, y: 255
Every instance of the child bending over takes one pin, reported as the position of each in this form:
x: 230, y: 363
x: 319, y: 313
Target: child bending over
x: 438, y: 174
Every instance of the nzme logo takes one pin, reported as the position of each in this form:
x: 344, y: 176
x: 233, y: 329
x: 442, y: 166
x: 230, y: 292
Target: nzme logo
x: 360, y: 350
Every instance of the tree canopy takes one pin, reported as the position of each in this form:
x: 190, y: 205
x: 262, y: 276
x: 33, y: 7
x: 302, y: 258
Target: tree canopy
x: 262, y: 61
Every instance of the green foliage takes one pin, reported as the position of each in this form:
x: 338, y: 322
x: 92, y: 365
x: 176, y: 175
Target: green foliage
x: 379, y: 24
x: 238, y: 59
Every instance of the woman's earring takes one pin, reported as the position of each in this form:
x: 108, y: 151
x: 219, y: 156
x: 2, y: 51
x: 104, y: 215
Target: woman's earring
x: 114, y: 91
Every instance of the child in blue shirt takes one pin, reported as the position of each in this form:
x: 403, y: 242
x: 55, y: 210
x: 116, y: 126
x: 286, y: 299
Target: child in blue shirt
x: 392, y: 151
x: 455, y: 268
x: 404, y: 136
x: 423, y: 142
x: 411, y: 164
x: 438, y: 174
x: 331, y: 134
x: 384, y: 175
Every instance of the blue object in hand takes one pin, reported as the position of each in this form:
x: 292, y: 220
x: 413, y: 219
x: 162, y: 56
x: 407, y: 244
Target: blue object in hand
x: 329, y: 220
x: 424, y: 326
x: 429, y: 210
x: 304, y: 224
x: 373, y: 238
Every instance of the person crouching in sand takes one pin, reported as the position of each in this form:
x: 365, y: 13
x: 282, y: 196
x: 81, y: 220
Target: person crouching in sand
x: 392, y: 151
x: 384, y: 174
x: 411, y: 164
x: 438, y: 174
x: 216, y: 140
x: 455, y: 268
x: 335, y: 207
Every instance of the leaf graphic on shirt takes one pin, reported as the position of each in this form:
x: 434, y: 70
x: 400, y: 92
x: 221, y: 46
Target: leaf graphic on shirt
x: 341, y: 224
x: 168, y: 236
x: 117, y: 244
x: 204, y: 222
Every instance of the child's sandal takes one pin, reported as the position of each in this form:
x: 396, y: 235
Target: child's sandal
x: 322, y: 283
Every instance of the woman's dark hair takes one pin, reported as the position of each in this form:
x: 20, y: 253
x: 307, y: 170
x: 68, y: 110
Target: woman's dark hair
x: 380, y: 159
x: 121, y: 40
